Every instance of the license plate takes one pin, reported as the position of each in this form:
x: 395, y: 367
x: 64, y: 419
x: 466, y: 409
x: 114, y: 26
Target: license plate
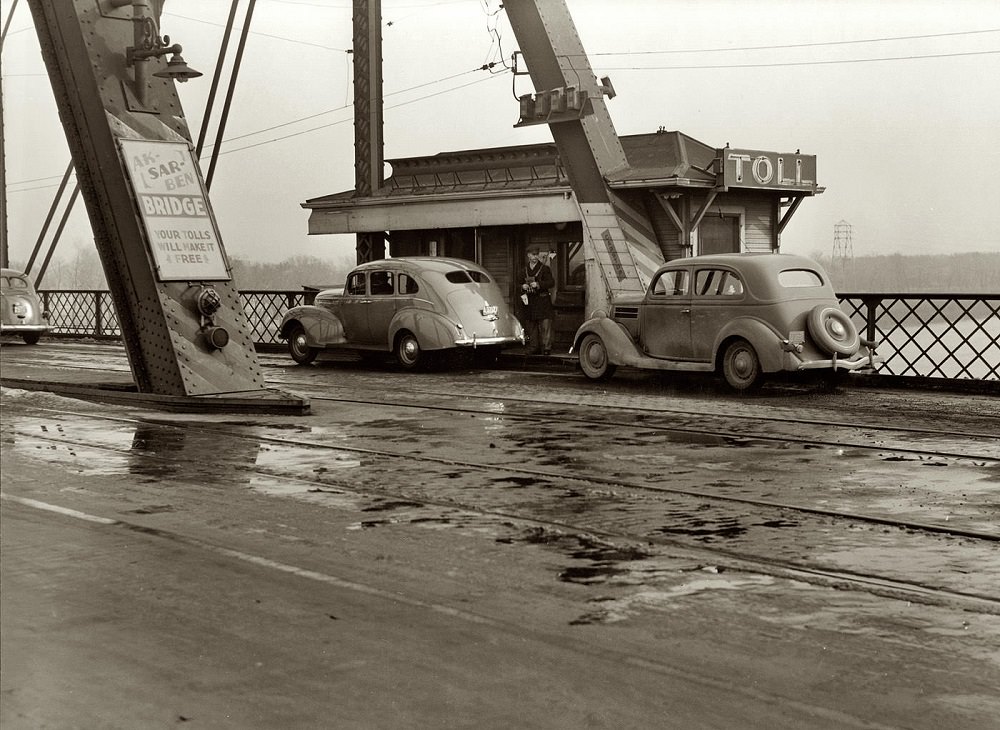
x: 19, y: 309
x: 490, y: 310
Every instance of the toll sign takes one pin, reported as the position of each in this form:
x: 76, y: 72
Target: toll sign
x: 175, y: 210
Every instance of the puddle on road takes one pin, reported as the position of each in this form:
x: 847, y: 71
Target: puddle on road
x: 305, y: 491
x: 613, y: 610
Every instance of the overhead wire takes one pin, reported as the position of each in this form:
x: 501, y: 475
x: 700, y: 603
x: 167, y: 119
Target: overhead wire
x: 798, y: 63
x: 302, y: 119
x: 345, y: 121
x: 498, y: 39
x: 798, y: 45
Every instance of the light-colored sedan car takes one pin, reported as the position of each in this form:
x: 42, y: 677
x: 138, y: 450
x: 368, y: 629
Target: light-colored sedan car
x: 741, y: 315
x: 412, y: 307
x: 22, y: 313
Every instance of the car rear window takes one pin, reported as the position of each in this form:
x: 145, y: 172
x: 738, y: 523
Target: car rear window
x: 463, y: 276
x: 14, y: 282
x: 795, y: 278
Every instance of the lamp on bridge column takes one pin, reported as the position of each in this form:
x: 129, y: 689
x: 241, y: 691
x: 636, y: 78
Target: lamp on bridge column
x: 148, y: 44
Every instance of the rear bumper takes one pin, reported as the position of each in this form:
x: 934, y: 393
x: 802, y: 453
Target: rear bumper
x: 17, y: 329
x: 486, y: 341
x: 858, y: 362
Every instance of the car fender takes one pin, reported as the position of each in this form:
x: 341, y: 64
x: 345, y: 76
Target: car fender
x: 621, y: 348
x: 433, y: 331
x: 321, y: 326
x: 764, y: 338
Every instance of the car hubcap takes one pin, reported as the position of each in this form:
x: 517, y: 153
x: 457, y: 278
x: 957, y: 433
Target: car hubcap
x: 743, y: 364
x: 595, y: 356
x: 410, y: 349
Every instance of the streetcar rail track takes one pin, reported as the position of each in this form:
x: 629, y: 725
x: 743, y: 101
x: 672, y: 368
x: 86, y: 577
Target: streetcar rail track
x: 666, y: 411
x: 946, y: 530
x: 710, y: 431
x: 803, y: 571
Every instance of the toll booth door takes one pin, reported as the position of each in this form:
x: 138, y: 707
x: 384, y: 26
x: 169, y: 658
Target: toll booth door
x: 719, y: 234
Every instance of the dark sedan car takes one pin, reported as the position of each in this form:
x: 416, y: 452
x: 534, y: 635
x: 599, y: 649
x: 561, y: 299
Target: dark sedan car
x: 741, y: 315
x: 22, y: 313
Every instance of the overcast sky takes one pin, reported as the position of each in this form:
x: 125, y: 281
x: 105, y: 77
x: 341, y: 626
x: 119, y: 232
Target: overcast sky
x: 898, y: 100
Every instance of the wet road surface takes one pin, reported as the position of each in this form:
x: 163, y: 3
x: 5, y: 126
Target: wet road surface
x: 501, y: 549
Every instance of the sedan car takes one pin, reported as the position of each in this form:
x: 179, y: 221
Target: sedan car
x: 22, y: 313
x: 413, y: 307
x: 741, y: 315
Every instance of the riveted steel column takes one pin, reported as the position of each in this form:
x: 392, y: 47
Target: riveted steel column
x: 368, y: 148
x: 620, y: 240
x: 166, y: 333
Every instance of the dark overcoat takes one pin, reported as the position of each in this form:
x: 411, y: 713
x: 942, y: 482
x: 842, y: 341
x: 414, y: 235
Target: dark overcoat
x: 540, y: 300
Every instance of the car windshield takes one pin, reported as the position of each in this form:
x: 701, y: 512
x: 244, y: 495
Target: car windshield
x: 795, y: 278
x: 464, y: 276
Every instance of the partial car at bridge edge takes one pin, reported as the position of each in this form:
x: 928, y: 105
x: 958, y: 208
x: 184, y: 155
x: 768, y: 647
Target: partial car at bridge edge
x: 22, y: 313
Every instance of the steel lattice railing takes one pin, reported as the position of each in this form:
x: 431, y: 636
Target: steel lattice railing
x: 955, y: 336
x: 931, y: 335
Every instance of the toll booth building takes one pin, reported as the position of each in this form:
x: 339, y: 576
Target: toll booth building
x: 489, y: 205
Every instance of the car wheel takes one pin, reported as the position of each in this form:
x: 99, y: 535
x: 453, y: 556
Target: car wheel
x: 298, y: 348
x: 408, y: 351
x: 741, y: 366
x: 31, y: 338
x: 833, y: 330
x: 594, y: 361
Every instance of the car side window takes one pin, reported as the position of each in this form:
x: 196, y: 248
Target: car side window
x: 731, y: 285
x: 381, y: 282
x: 356, y: 284
x: 717, y: 283
x: 407, y: 284
x: 671, y: 283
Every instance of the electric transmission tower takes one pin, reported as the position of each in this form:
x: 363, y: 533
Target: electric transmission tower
x: 842, y: 259
x: 843, y: 247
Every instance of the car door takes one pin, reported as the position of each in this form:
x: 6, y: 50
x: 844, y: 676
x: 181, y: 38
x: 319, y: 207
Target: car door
x: 665, y: 315
x: 716, y: 297
x: 353, y: 308
x: 381, y: 306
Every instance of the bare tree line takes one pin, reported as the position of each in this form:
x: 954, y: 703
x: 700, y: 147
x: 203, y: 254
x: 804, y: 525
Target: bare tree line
x: 971, y: 273
x: 960, y: 273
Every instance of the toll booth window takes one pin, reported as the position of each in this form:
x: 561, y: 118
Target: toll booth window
x: 381, y: 283
x: 796, y: 278
x: 407, y: 284
x: 717, y: 283
x: 671, y: 283
x: 356, y: 284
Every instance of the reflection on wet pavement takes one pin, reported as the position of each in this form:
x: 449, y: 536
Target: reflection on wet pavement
x: 398, y: 469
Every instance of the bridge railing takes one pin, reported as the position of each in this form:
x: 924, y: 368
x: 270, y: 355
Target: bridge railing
x: 953, y: 336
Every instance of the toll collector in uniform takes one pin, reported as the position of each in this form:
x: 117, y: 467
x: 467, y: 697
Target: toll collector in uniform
x: 538, y: 303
